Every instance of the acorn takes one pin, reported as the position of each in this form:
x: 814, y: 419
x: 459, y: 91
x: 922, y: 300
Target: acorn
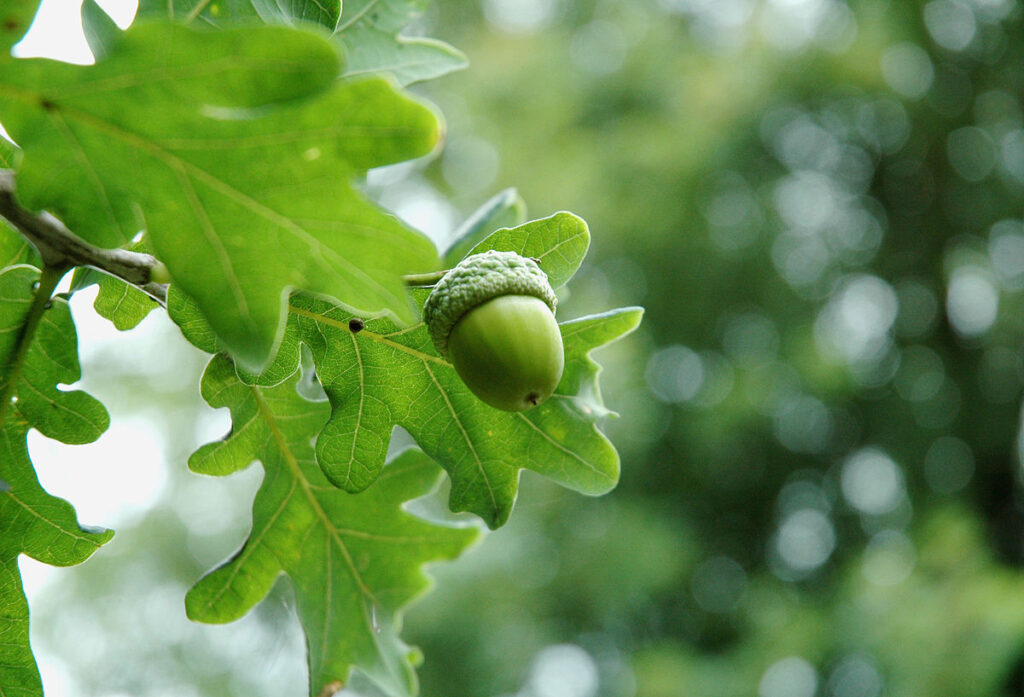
x: 493, y: 317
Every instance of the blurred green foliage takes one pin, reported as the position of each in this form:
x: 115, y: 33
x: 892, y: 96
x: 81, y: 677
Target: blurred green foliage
x: 819, y: 204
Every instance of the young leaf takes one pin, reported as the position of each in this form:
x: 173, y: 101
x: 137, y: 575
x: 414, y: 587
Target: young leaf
x: 558, y: 243
x: 224, y: 12
x: 234, y: 150
x: 71, y: 416
x: 44, y: 527
x: 354, y: 561
x: 369, y: 30
x: 409, y: 60
x: 101, y: 33
x: 323, y: 12
x: 210, y: 12
x: 505, y: 209
x: 120, y: 302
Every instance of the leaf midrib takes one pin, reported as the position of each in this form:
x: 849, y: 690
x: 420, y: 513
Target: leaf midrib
x: 296, y: 470
x: 176, y: 163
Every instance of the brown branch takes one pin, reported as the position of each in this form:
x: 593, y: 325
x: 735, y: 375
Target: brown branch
x: 61, y: 248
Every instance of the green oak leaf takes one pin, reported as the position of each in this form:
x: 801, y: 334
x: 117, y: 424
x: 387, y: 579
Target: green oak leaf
x: 369, y: 30
x: 558, y: 243
x: 121, y: 303
x: 101, y: 32
x: 15, y: 18
x: 10, y: 154
x: 223, y: 12
x: 354, y: 561
x: 384, y: 375
x: 505, y: 209
x: 234, y: 150
x: 71, y: 416
x: 43, y: 527
x: 209, y: 12
x: 15, y: 249
x: 323, y: 12
x: 16, y: 283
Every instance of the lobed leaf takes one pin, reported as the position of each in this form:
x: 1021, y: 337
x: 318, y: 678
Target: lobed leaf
x: 323, y: 12
x: 10, y: 154
x: 121, y: 303
x: 45, y: 528
x: 369, y: 30
x: 16, y: 284
x: 234, y: 150
x: 385, y: 376
x: 558, y: 243
x: 71, y: 416
x: 15, y: 249
x: 209, y: 12
x: 354, y: 561
x: 222, y: 13
x: 101, y: 32
x: 505, y: 209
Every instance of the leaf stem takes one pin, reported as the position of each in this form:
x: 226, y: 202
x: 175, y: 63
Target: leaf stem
x: 424, y: 279
x: 196, y: 11
x: 61, y: 248
x: 48, y: 281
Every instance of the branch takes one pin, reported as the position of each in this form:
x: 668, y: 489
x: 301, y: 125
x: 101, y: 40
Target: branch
x: 60, y: 248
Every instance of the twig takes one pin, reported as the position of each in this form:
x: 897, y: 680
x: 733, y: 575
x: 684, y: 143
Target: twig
x: 61, y: 248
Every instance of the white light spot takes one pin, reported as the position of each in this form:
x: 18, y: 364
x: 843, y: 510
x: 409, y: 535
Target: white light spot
x: 675, y: 374
x: 519, y: 16
x: 790, y: 677
x: 805, y: 540
x: 972, y: 300
x: 598, y: 47
x: 563, y: 670
x: 855, y: 677
x: 908, y: 69
x: 871, y: 481
x: 950, y: 23
x: 855, y: 324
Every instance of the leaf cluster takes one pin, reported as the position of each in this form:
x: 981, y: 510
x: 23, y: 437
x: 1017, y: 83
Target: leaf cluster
x: 226, y: 141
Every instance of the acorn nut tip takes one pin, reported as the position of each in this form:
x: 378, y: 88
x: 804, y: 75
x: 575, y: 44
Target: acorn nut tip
x: 493, y: 317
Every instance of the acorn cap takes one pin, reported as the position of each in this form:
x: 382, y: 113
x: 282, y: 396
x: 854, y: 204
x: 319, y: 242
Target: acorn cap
x: 477, y: 279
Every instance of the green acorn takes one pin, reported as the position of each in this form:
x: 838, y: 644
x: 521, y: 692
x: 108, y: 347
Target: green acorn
x: 493, y: 317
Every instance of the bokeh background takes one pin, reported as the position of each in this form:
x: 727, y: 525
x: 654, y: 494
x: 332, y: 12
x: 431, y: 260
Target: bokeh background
x: 819, y: 202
